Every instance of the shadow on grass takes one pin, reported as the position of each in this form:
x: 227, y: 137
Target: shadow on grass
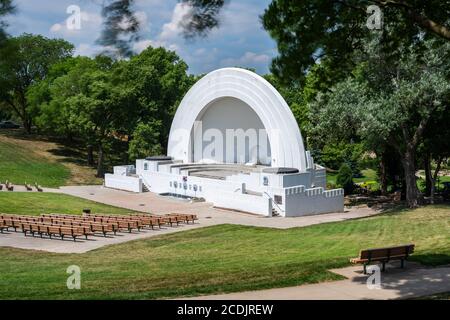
x: 432, y: 259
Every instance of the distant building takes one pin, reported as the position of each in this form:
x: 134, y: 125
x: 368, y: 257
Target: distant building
x: 235, y: 142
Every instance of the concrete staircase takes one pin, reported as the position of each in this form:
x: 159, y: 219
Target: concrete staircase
x: 145, y: 185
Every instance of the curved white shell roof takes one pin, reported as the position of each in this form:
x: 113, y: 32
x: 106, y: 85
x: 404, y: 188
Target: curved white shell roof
x: 286, y: 141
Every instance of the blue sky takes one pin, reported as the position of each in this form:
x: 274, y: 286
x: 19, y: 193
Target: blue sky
x: 239, y: 41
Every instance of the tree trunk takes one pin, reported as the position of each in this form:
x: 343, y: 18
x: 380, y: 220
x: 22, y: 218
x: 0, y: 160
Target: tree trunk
x: 434, y: 178
x: 27, y: 125
x: 383, y: 175
x: 428, y: 175
x: 100, y: 172
x: 409, y: 167
x: 90, y: 155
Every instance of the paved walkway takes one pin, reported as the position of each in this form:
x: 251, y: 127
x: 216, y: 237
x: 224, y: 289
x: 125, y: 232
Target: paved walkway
x: 414, y: 281
x: 151, y: 202
x: 154, y: 203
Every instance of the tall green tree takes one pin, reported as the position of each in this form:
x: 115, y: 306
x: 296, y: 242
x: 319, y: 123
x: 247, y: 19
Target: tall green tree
x: 391, y: 102
x: 107, y: 103
x: 307, y: 31
x: 25, y: 60
x: 82, y: 104
x: 152, y: 85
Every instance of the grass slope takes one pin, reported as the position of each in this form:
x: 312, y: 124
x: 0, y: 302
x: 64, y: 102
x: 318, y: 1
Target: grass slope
x: 32, y: 158
x: 223, y: 258
x: 20, y: 165
x: 37, y: 203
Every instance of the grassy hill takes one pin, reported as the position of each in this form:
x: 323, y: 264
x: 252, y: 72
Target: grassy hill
x: 37, y: 203
x: 34, y: 159
x: 224, y: 258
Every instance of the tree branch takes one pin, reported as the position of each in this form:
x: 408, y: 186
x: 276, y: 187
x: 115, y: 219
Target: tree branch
x: 438, y: 167
x: 422, y: 20
x: 419, y: 131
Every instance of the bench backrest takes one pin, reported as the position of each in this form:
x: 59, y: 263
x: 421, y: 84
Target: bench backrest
x: 377, y: 253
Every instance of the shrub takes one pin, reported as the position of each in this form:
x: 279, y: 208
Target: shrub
x: 344, y: 179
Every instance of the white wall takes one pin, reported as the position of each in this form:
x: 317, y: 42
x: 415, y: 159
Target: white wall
x: 124, y: 170
x: 312, y: 201
x: 230, y: 113
x: 126, y: 183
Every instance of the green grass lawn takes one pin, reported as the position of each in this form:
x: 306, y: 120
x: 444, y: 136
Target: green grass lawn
x: 20, y: 165
x: 222, y: 258
x: 37, y: 203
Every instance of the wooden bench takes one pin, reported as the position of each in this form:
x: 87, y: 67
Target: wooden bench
x: 89, y: 227
x: 53, y: 230
x: 3, y: 226
x: 12, y: 223
x: 186, y: 217
x: 383, y: 255
x: 28, y: 187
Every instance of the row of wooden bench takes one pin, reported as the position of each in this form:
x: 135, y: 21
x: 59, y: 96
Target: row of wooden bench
x: 172, y: 218
x: 42, y: 229
x: 75, y: 226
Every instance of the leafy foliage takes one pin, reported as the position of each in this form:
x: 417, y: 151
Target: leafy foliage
x: 307, y: 31
x: 110, y: 104
x: 389, y: 102
x: 344, y: 179
x: 146, y: 140
x: 120, y: 28
x: 24, y: 61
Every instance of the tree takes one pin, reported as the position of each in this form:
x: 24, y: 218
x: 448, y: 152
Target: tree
x: 146, y: 140
x: 307, y: 31
x: 110, y: 104
x: 120, y: 28
x: 344, y: 179
x: 6, y: 7
x: 391, y: 102
x: 25, y: 60
x: 152, y: 85
x: 435, y: 147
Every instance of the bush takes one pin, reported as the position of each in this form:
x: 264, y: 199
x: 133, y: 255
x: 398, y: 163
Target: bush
x: 333, y: 155
x: 145, y: 140
x: 344, y: 179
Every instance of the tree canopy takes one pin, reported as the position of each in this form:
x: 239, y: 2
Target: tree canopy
x: 106, y: 102
x: 25, y: 60
x: 387, y: 102
x: 307, y: 31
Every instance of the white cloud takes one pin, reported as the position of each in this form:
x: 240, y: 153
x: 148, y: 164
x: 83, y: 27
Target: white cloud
x: 56, y: 28
x: 248, y: 59
x: 169, y: 37
x: 85, y: 49
x: 140, y: 46
x: 181, y: 13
